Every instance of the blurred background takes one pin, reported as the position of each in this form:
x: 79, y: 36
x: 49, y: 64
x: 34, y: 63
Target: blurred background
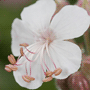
x: 9, y: 10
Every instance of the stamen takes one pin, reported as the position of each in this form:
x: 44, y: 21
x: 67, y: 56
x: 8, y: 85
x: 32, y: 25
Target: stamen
x: 21, y: 63
x: 49, y: 54
x: 49, y: 73
x: 10, y: 68
x: 47, y: 79
x: 32, y: 57
x: 43, y: 70
x: 24, y: 44
x: 14, y: 68
x: 33, y: 47
x: 41, y: 57
x: 30, y: 51
x: 26, y: 69
x: 11, y: 59
x: 27, y: 78
x: 18, y: 59
x: 7, y: 68
x: 44, y: 61
x: 21, y: 51
x: 30, y: 68
x: 46, y: 65
x: 28, y: 59
x: 57, y: 71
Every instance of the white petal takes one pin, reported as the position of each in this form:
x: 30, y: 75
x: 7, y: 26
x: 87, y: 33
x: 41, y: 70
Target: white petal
x: 39, y: 14
x: 20, y: 33
x: 71, y: 22
x: 36, y: 72
x: 66, y: 56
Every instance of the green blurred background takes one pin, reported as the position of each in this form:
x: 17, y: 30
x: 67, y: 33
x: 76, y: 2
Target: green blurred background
x: 8, y: 12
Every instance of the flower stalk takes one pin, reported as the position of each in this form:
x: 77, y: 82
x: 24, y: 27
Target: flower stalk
x: 84, y: 4
x: 87, y: 42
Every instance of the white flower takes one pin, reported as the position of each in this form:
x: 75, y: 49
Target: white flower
x: 47, y: 48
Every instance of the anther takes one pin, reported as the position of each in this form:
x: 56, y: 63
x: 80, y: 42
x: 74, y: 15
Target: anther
x: 27, y: 78
x: 12, y: 67
x: 21, y: 51
x: 24, y: 44
x: 7, y: 68
x: 11, y: 59
x: 57, y: 71
x: 47, y: 79
x: 49, y: 73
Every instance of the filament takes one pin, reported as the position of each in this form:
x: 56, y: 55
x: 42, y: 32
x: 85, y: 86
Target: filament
x: 41, y: 57
x: 30, y: 68
x: 30, y: 51
x: 26, y: 69
x: 21, y: 63
x: 49, y: 54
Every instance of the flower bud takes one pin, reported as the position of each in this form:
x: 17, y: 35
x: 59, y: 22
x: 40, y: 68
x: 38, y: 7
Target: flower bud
x: 62, y: 84
x: 85, y: 67
x: 78, y: 81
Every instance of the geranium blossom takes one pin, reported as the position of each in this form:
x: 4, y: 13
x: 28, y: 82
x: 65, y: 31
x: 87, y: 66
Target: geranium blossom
x: 45, y: 53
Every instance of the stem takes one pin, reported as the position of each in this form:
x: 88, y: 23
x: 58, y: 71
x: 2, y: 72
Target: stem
x: 84, y: 4
x: 58, y: 6
x: 56, y: 1
x: 87, y: 41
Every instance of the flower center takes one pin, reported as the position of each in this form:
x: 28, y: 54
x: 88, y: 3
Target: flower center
x: 47, y: 35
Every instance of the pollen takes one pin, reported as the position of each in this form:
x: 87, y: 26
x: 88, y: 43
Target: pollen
x: 27, y: 78
x: 21, y: 51
x: 10, y: 68
x: 49, y: 73
x: 47, y: 79
x: 11, y: 59
x: 7, y: 68
x: 57, y: 71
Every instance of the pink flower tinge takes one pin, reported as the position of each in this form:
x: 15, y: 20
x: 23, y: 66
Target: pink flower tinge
x: 85, y: 68
x: 62, y: 84
x: 78, y: 81
x: 86, y: 5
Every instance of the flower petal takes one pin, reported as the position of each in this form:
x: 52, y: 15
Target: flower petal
x: 66, y: 56
x: 20, y: 33
x: 39, y: 14
x: 71, y: 22
x: 36, y: 72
